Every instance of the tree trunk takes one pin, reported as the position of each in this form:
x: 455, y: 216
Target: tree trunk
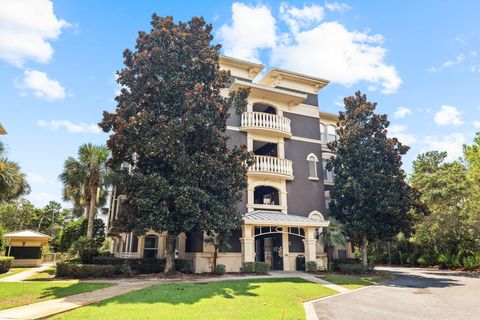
x: 170, y: 254
x: 364, y: 250
x: 389, y: 253
x: 215, y: 255
x: 91, y: 211
x: 329, y: 258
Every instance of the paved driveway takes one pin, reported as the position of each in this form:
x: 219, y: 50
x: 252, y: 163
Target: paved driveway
x: 415, y: 294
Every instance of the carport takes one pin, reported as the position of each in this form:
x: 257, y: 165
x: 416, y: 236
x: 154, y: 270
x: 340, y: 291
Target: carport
x: 26, y: 247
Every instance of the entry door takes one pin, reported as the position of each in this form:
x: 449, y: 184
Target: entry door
x: 277, y: 253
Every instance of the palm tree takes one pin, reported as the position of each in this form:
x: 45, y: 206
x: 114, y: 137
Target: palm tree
x: 12, y: 181
x: 84, y: 181
x: 331, y: 236
x: 220, y: 243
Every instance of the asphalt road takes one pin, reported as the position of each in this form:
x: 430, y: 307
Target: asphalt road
x: 414, y: 294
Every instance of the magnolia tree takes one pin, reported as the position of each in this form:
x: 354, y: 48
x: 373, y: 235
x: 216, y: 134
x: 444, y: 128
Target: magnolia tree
x: 170, y: 124
x: 370, y: 195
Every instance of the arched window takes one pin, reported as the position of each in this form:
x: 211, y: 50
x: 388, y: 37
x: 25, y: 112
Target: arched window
x: 261, y: 107
x: 331, y: 134
x: 312, y: 166
x: 323, y: 139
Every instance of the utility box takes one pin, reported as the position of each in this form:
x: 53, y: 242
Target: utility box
x: 300, y: 262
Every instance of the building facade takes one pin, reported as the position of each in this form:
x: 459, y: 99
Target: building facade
x: 286, y: 201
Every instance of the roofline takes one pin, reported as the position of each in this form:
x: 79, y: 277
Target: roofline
x: 328, y: 115
x: 40, y: 235
x: 296, y: 75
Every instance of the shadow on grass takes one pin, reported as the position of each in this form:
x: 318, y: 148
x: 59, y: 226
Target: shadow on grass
x: 191, y: 293
x: 61, y: 291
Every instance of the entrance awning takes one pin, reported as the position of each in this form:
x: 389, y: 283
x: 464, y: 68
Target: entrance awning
x: 268, y: 218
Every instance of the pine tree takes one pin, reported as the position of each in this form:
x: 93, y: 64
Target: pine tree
x: 170, y: 126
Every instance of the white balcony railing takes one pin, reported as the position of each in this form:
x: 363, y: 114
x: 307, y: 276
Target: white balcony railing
x: 262, y: 120
x: 272, y: 166
x: 127, y: 255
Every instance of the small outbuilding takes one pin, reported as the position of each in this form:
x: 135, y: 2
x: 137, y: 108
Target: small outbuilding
x: 26, y: 247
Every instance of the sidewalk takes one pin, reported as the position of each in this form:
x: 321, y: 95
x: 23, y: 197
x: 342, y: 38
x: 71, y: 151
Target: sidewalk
x: 25, y: 274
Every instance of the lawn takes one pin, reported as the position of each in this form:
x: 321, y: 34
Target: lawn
x: 12, y: 271
x: 46, y: 274
x: 14, y: 294
x: 232, y: 299
x: 354, y: 282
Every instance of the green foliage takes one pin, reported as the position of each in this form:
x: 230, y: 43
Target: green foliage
x: 311, y: 266
x: 255, y: 267
x: 220, y: 269
x: 2, y: 240
x: 5, y: 264
x: 183, y: 266
x: 83, y: 271
x: 17, y: 215
x: 170, y: 123
x: 13, y: 183
x: 74, y: 230
x: 349, y: 268
x: 138, y: 266
x: 370, y: 196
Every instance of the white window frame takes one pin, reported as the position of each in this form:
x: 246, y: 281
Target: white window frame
x: 328, y: 134
x: 312, y: 158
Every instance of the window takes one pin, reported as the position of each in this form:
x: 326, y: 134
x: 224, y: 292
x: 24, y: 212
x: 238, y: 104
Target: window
x: 150, y: 247
x: 312, y: 166
x: 331, y: 134
x: 327, y: 175
x: 322, y: 133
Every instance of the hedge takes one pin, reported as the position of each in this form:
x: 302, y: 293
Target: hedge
x: 137, y: 265
x: 5, y: 264
x: 255, y: 267
x: 82, y: 271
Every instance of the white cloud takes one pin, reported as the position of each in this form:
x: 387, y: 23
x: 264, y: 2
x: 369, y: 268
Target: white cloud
x: 452, y: 144
x: 80, y: 127
x: 331, y: 51
x: 476, y: 124
x: 402, y: 112
x: 458, y: 59
x: 41, y: 199
x: 252, y: 29
x: 448, y: 116
x: 42, y: 86
x: 298, y: 19
x: 337, y: 6
x: 399, y: 132
x: 26, y: 29
x: 311, y: 46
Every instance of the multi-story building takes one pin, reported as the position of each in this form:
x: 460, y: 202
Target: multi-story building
x: 285, y: 204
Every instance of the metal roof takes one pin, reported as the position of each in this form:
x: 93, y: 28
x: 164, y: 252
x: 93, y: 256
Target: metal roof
x: 25, y: 234
x: 272, y: 217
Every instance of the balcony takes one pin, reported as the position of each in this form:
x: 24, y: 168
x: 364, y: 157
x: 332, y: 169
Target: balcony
x: 272, y: 166
x: 262, y: 122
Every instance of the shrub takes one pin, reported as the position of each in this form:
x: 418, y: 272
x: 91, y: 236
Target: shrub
x: 349, y: 268
x: 5, y: 264
x: 183, y: 266
x: 76, y: 229
x: 137, y: 265
x: 471, y: 262
x: 219, y: 269
x: 311, y: 266
x: 2, y: 240
x: 82, y: 271
x: 261, y: 268
x: 248, y: 267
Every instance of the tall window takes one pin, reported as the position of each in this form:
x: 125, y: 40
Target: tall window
x: 312, y: 166
x: 322, y: 133
x: 150, y: 247
x: 327, y: 175
x: 331, y: 134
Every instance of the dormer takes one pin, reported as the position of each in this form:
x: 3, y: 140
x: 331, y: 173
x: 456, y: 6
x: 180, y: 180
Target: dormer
x: 280, y: 78
x: 240, y: 69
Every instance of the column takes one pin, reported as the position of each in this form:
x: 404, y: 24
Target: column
x: 182, y: 237
x: 248, y: 243
x: 162, y: 241
x: 281, y: 148
x: 250, y: 197
x: 285, y: 250
x: 309, y: 244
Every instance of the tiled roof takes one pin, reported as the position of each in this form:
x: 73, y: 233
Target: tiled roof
x: 279, y: 218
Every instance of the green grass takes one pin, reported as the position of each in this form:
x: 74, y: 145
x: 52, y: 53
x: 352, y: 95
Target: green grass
x: 14, y: 294
x: 46, y: 274
x: 354, y: 282
x: 12, y: 271
x: 232, y: 299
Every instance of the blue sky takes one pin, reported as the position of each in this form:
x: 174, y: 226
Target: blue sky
x: 420, y: 60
